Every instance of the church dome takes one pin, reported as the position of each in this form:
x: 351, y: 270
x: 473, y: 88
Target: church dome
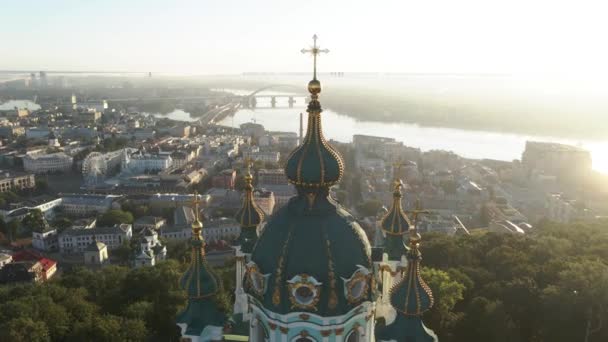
x: 412, y: 296
x: 312, y: 256
x: 395, y: 224
x: 315, y: 163
x: 250, y: 214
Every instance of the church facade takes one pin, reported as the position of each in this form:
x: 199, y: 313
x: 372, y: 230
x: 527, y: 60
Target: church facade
x: 309, y: 276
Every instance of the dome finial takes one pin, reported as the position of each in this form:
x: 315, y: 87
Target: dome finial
x: 197, y: 226
x: 314, y: 51
x: 315, y: 164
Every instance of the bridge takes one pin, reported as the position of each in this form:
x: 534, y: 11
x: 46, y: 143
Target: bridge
x: 248, y: 101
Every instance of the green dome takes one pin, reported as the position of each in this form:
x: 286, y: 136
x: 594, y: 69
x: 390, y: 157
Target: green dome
x: 395, y: 224
x: 312, y: 256
x: 249, y: 216
x: 315, y: 163
x: 199, y: 281
x: 201, y: 285
x: 412, y: 296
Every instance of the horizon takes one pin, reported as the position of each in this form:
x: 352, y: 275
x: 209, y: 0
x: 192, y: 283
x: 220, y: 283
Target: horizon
x: 472, y: 37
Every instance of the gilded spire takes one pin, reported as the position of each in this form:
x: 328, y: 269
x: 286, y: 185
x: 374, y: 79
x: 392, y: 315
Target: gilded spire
x: 249, y: 215
x: 197, y: 226
x: 396, y: 222
x: 412, y: 296
x: 201, y: 285
x: 315, y: 163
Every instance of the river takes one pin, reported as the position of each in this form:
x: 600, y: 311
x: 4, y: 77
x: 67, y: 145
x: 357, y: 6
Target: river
x: 467, y: 143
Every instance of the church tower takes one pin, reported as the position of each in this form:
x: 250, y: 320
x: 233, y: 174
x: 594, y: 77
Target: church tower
x: 411, y: 297
x: 249, y: 216
x: 202, y: 320
x: 394, y: 225
x: 310, y: 276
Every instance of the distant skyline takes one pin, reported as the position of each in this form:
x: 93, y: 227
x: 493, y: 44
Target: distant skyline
x: 232, y: 37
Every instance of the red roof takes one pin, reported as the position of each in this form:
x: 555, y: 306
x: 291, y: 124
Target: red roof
x: 47, y: 263
x: 29, y: 255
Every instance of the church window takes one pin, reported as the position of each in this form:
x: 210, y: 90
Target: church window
x: 304, y: 291
x: 354, y: 336
x: 357, y: 286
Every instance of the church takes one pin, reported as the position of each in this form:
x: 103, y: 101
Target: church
x: 309, y: 275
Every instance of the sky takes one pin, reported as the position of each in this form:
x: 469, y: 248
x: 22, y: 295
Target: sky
x: 231, y: 37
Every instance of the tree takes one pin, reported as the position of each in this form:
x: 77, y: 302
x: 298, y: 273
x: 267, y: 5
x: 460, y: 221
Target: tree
x: 34, y: 221
x: 13, y: 229
x: 112, y: 217
x: 447, y: 293
x: 23, y: 329
x: 62, y: 223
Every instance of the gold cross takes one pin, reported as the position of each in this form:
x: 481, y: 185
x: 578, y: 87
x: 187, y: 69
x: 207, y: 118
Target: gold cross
x: 417, y: 212
x: 314, y: 51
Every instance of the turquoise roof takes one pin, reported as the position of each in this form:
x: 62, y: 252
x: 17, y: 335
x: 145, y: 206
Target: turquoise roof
x: 411, y: 298
x: 313, y: 236
x: 249, y: 216
x: 315, y: 163
x: 395, y: 224
x: 201, y: 285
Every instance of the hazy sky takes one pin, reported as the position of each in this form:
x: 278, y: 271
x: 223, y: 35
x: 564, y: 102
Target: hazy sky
x: 229, y: 36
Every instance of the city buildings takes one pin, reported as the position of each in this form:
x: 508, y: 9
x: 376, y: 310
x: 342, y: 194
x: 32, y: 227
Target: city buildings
x: 76, y: 240
x: 83, y: 205
x: 41, y: 163
x: 16, y: 181
x: 566, y: 162
x: 225, y: 179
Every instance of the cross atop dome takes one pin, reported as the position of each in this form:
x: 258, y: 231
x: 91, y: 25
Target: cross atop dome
x: 314, y: 51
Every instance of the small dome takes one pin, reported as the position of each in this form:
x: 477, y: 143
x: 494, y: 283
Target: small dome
x: 250, y: 214
x: 395, y: 221
x: 412, y: 296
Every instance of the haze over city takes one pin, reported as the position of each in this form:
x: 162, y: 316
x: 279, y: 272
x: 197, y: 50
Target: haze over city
x: 319, y: 171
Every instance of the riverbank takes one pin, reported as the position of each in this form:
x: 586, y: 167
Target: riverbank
x: 481, y: 103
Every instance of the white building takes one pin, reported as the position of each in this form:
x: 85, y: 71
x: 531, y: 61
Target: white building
x: 269, y: 157
x: 45, y: 240
x: 151, y: 251
x: 87, y: 205
x: 143, y: 162
x: 76, y: 240
x: 47, y: 163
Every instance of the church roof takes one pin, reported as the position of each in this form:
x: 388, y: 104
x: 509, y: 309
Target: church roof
x: 201, y: 285
x: 411, y: 297
x: 312, y: 255
x: 315, y: 163
x: 249, y: 216
x: 395, y: 224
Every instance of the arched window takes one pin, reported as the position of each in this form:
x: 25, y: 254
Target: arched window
x: 354, y: 336
x: 304, y: 339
